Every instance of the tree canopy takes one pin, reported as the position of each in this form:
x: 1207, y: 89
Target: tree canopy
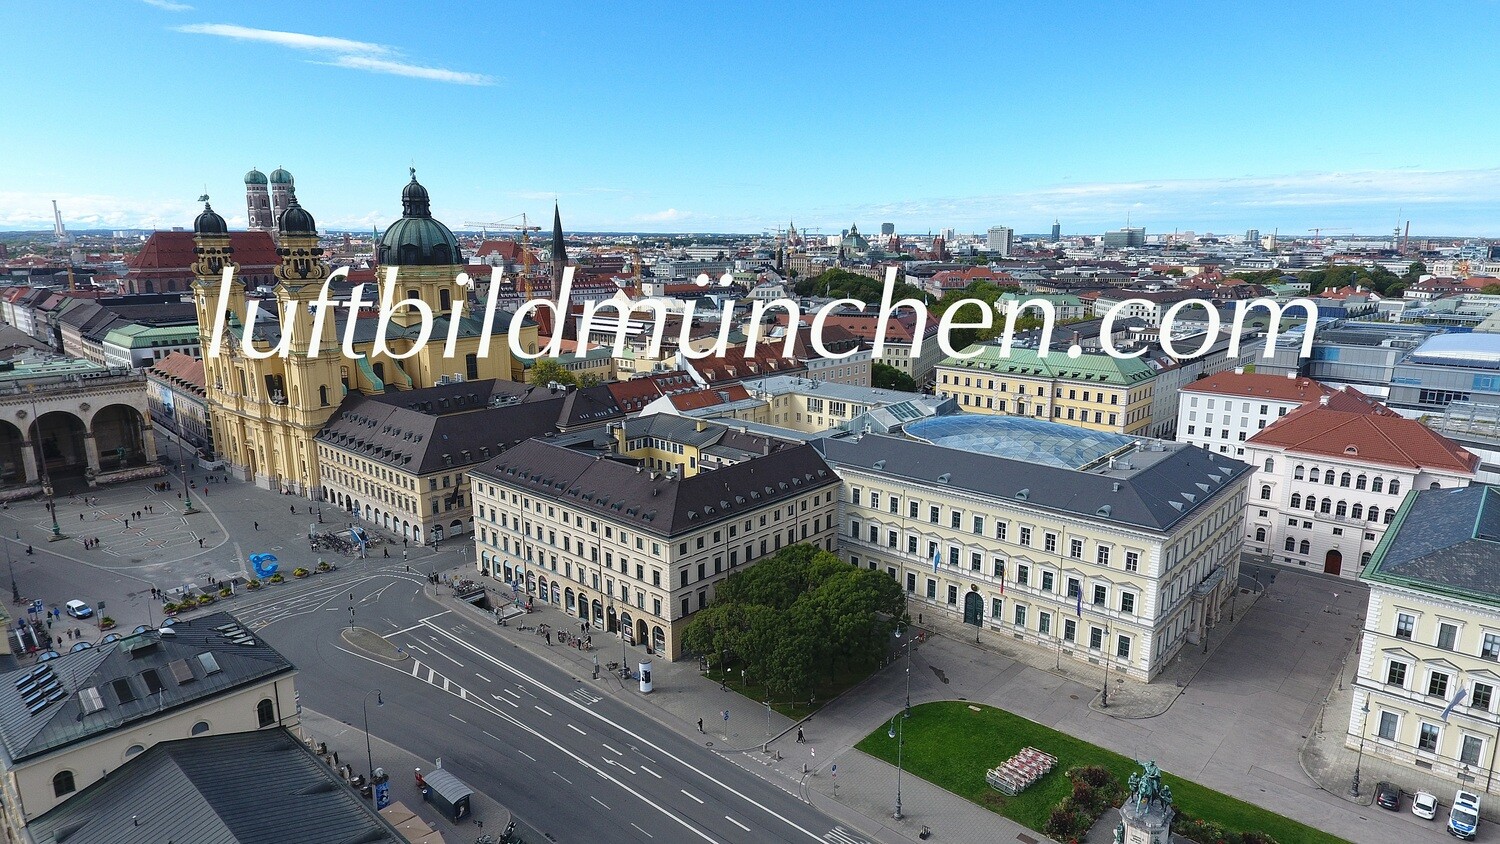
x: 1378, y: 279
x: 544, y: 372
x: 886, y: 377
x: 842, y: 284
x: 797, y: 617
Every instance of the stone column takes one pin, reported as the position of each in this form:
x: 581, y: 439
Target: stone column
x: 28, y: 462
x: 148, y: 443
x: 91, y: 448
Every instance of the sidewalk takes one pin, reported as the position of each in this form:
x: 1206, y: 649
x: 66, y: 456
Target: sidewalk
x: 862, y: 795
x: 1330, y: 763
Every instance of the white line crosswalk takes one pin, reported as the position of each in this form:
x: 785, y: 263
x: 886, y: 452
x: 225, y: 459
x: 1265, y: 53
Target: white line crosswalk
x: 583, y: 697
x: 839, y: 835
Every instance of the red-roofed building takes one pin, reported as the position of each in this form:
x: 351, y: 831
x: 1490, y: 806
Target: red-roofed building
x: 633, y: 395
x: 176, y: 391
x: 1332, y: 474
x: 734, y: 366
x: 1437, y: 287
x: 165, y: 262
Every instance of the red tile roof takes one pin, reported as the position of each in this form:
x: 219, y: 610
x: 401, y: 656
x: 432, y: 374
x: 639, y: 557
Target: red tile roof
x: 173, y: 251
x: 1371, y: 434
x: 1260, y: 386
x: 698, y: 399
x: 183, y: 370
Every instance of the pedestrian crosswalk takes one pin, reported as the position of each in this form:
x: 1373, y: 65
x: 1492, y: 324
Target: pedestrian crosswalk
x: 584, y: 697
x: 839, y: 835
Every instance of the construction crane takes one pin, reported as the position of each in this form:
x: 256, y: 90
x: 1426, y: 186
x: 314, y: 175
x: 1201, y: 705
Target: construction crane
x: 525, y: 228
x: 1318, y: 233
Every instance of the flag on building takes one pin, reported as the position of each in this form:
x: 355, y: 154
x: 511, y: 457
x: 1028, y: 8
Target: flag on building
x: 937, y: 559
x: 1080, y: 603
x: 1458, y: 697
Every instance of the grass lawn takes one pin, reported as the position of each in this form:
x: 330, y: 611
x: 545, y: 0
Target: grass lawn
x: 795, y: 710
x: 952, y: 746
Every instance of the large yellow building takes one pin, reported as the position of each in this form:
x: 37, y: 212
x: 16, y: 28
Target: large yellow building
x: 1429, y: 662
x: 266, y: 410
x: 1092, y: 390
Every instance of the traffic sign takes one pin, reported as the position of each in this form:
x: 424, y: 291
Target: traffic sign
x: 726, y: 715
x: 36, y: 606
x: 835, y: 770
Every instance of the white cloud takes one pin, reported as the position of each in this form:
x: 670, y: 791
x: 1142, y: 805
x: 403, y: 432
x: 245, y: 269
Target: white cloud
x: 435, y: 74
x: 346, y: 53
x: 33, y: 211
x: 671, y: 215
x: 294, y: 40
x: 168, y: 5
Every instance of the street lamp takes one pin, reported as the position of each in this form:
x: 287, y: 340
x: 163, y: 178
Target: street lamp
x: 41, y: 456
x: 364, y: 705
x: 15, y: 592
x: 1104, y: 695
x: 1358, y: 760
x: 899, y: 734
x: 187, y: 496
x: 906, y: 713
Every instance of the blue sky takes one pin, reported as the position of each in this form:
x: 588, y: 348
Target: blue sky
x: 738, y: 117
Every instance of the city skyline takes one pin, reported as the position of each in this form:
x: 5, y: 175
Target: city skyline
x: 740, y: 119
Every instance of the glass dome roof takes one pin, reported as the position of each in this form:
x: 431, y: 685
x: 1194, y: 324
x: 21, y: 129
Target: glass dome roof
x: 1020, y: 438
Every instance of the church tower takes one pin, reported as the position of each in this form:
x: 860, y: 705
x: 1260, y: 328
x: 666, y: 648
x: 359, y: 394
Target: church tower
x: 225, y: 383
x: 559, y: 254
x: 281, y: 191
x: 258, y: 202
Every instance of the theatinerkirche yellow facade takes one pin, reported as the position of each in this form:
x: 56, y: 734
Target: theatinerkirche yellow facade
x: 270, y: 392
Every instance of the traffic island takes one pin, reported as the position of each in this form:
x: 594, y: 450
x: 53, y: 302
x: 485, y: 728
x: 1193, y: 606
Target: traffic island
x: 373, y: 644
x: 954, y: 744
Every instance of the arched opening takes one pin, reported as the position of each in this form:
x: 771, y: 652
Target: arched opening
x: 627, y: 627
x: 12, y: 458
x: 445, y: 300
x: 530, y: 583
x: 556, y: 596
x: 58, y: 439
x: 200, y: 728
x: 265, y: 712
x: 640, y: 630
x: 658, y: 640
x: 1260, y: 534
x: 1305, y: 547
x: 598, y: 608
x: 609, y: 620
x: 62, y: 783
x: 456, y: 527
x: 568, y: 600
x: 1333, y: 562
x: 541, y: 587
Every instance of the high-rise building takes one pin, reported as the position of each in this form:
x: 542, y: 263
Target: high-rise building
x: 887, y: 229
x: 258, y: 202
x: 1252, y: 237
x: 1126, y: 238
x: 1000, y: 239
x: 1056, y: 231
x: 948, y: 236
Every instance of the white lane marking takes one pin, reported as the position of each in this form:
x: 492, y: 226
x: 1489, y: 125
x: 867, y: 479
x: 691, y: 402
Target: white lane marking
x: 511, y: 693
x: 600, y: 802
x: 481, y: 676
x: 651, y: 772
x: 612, y: 750
x: 563, y: 778
x: 618, y: 765
x: 736, y: 823
x: 418, y: 648
x: 543, y: 711
x: 527, y: 755
x: 494, y: 660
x: 507, y: 701
x: 644, y: 832
x: 437, y: 652
x: 685, y: 791
x: 431, y: 617
x: 575, y: 729
x: 456, y: 718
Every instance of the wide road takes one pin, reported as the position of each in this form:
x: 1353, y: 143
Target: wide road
x: 568, y: 759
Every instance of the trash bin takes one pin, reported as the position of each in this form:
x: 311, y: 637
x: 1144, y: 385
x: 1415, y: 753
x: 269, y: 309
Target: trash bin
x: 645, y: 675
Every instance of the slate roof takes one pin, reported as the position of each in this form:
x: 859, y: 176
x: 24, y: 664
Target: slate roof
x: 262, y: 787
x: 451, y: 426
x: 1156, y: 489
x: 654, y: 501
x: 1368, y: 432
x: 118, y: 672
x: 1445, y: 541
x: 1087, y: 368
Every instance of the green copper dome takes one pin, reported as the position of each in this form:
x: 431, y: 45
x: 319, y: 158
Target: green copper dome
x: 295, y: 219
x: 417, y: 239
x: 280, y: 177
x: 209, y: 222
x: 255, y: 177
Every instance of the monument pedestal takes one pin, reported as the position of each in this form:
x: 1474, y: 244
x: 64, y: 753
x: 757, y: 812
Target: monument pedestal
x: 1146, y: 816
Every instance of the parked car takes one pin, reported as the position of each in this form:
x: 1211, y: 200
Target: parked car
x: 79, y: 609
x: 1463, y: 818
x: 1424, y: 805
x: 1387, y: 796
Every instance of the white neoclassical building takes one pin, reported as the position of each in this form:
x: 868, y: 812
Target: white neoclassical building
x: 1330, y: 477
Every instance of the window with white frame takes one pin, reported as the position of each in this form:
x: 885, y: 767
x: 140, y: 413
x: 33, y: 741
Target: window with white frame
x: 1389, y: 722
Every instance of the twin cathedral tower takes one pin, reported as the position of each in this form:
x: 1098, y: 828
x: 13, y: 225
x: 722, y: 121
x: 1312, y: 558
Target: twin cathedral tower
x: 266, y: 411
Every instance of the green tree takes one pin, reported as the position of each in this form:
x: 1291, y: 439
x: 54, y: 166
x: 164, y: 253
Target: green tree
x: 887, y: 377
x: 544, y: 372
x: 588, y: 379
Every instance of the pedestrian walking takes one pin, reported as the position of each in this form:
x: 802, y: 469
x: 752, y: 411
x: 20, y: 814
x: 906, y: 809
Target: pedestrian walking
x: 257, y: 525
x: 387, y: 552
x: 200, y: 542
x: 800, y: 739
x: 700, y: 725
x: 403, y: 553
x: 293, y: 508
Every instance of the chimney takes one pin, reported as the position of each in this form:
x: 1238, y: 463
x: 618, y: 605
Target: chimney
x: 1323, y: 401
x: 1291, y: 376
x: 700, y: 425
x: 1239, y: 370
